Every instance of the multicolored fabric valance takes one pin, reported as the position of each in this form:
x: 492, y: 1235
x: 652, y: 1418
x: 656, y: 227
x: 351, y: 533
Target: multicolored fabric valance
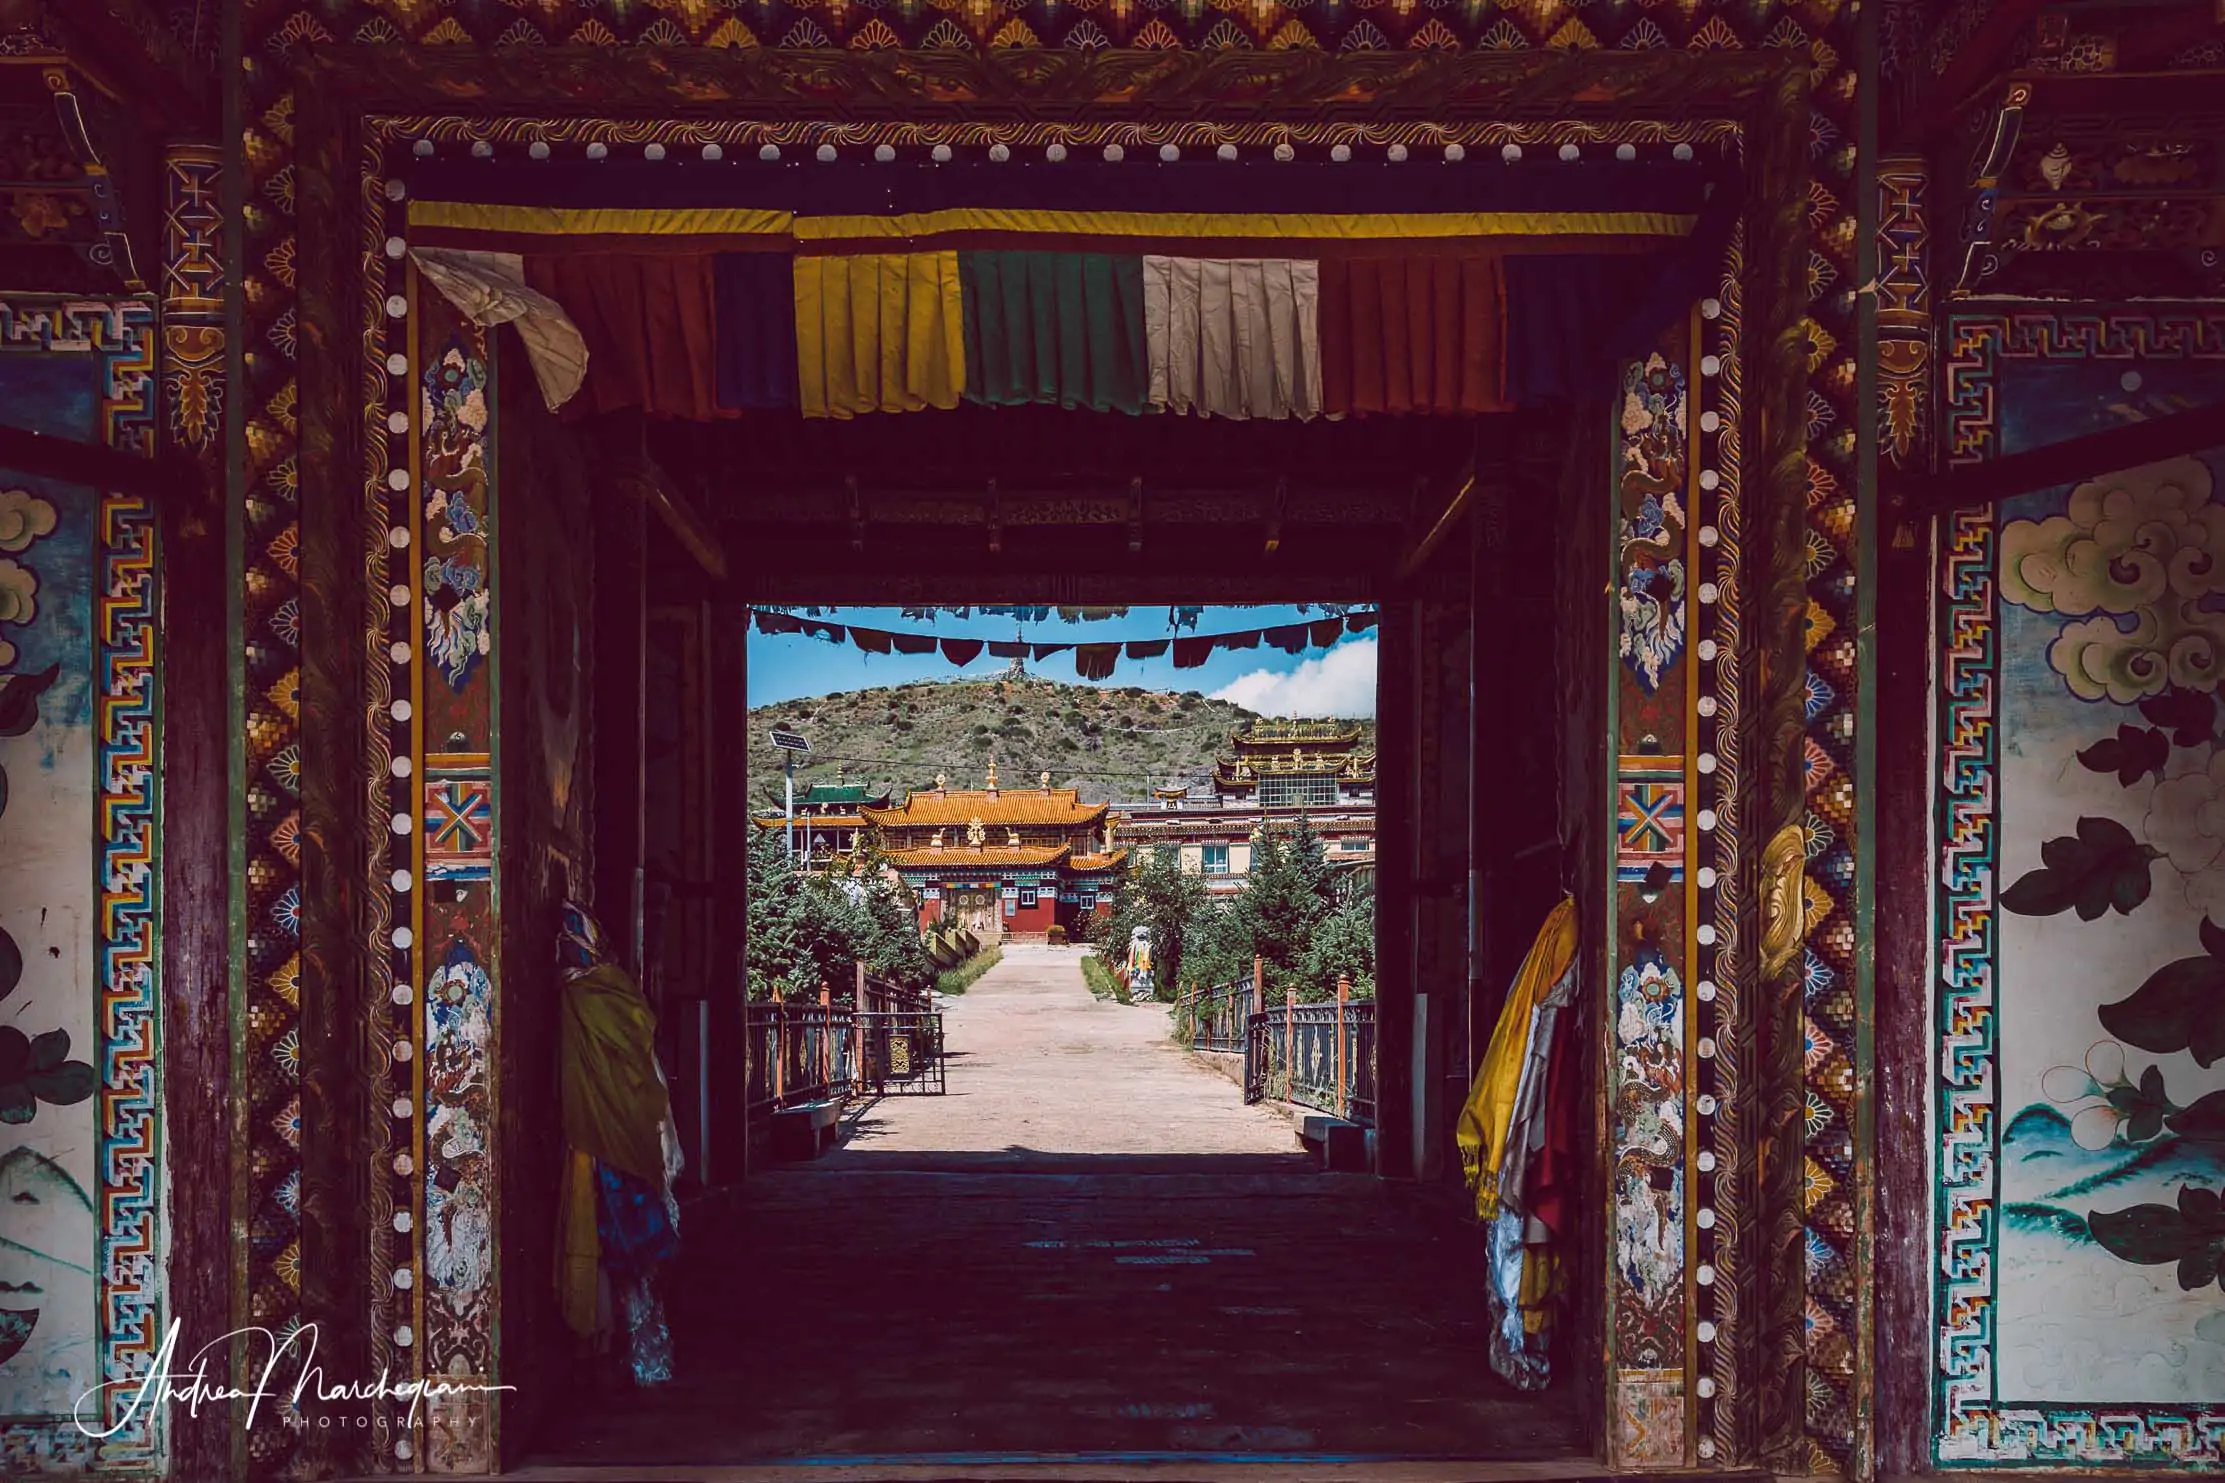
x: 704, y: 291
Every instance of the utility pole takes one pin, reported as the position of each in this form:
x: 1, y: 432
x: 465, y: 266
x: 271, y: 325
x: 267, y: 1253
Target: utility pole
x: 790, y: 743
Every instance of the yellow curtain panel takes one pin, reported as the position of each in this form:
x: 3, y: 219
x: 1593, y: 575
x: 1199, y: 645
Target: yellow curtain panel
x: 879, y: 332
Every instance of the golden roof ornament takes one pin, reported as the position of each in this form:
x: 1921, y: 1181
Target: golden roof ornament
x: 935, y: 840
x: 1045, y: 779
x: 992, y: 772
x: 975, y: 834
x: 942, y: 782
x: 1012, y: 837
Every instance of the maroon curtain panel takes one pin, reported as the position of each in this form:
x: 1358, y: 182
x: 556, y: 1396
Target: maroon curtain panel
x: 651, y: 326
x: 1423, y: 334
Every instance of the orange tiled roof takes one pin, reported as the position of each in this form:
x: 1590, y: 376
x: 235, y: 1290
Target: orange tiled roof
x: 961, y: 857
x: 1099, y: 862
x: 1006, y: 806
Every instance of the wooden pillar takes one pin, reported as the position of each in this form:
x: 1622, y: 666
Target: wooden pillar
x: 1394, y: 874
x: 1903, y: 1353
x: 196, y: 727
x: 342, y: 1069
x: 621, y: 716
x: 726, y: 1141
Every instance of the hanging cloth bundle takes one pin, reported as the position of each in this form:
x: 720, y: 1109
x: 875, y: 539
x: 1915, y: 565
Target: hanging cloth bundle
x: 1501, y: 1128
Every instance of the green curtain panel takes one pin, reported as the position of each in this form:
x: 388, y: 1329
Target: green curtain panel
x: 1060, y: 329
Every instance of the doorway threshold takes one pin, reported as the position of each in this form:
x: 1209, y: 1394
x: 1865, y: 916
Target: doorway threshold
x: 1105, y: 1467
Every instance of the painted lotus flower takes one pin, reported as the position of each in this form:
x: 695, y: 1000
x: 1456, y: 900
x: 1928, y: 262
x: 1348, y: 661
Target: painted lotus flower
x: 2186, y: 821
x: 2109, y: 1106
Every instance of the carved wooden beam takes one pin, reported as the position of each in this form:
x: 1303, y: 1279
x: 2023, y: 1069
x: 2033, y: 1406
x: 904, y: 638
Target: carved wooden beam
x: 2066, y: 462
x: 1043, y: 84
x: 620, y: 452
x: 174, y: 482
x: 1447, y: 521
x: 1973, y: 67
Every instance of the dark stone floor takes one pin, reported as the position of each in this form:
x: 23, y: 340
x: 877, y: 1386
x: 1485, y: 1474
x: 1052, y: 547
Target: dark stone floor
x: 1209, y: 1308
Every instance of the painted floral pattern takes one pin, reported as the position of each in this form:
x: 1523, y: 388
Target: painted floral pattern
x: 458, y: 606
x: 1651, y: 600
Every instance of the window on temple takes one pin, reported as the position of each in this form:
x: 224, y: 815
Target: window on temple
x: 1027, y: 895
x: 1216, y: 859
x: 1298, y: 792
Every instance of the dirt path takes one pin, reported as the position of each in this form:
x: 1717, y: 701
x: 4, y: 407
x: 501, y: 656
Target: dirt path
x: 1040, y: 1067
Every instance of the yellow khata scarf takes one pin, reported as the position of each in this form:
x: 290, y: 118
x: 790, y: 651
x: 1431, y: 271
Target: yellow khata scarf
x: 1482, y: 1132
x: 614, y: 1109
x: 614, y: 1102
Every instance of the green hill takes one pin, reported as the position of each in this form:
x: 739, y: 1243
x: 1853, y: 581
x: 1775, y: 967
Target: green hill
x: 1108, y: 742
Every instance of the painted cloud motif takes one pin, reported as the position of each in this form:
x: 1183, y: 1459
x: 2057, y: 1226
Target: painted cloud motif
x: 24, y: 517
x: 2146, y: 545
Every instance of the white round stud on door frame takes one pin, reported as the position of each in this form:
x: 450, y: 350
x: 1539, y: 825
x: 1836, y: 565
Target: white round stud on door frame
x: 653, y: 153
x: 537, y: 150
x: 1455, y: 153
x: 481, y: 150
x: 1341, y: 153
x: 598, y: 151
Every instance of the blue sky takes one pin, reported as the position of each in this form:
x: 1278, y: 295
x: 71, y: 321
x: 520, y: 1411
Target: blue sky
x: 1332, y: 682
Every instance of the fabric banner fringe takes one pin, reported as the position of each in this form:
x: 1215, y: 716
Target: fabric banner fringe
x: 1095, y: 661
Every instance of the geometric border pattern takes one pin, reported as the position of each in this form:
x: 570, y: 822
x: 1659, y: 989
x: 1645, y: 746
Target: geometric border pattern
x: 1970, y: 1427
x: 121, y: 334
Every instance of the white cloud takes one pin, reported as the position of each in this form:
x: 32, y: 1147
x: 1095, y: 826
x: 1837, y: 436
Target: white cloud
x: 1339, y: 683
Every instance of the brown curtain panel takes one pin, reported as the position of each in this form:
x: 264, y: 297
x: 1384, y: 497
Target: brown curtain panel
x: 651, y: 326
x: 1423, y: 334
